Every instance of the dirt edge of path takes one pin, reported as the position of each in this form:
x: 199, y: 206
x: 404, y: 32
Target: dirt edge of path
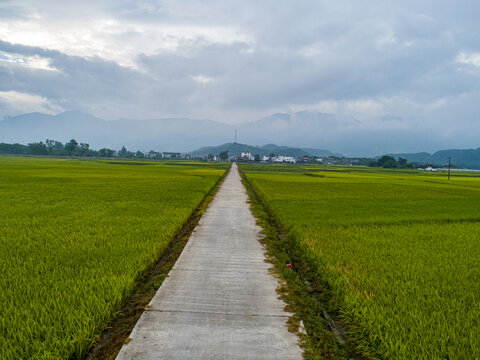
x: 121, y: 325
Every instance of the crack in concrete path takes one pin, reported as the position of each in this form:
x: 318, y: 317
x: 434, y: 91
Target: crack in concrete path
x: 219, y: 301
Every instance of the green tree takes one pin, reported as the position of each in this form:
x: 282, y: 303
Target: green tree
x: 123, y: 152
x: 224, y: 155
x: 71, y: 147
x: 257, y: 158
x: 387, y: 161
x: 58, y: 148
x: 404, y: 164
x: 84, y: 149
x: 105, y: 152
x: 38, y: 148
x: 12, y: 148
x: 50, y: 145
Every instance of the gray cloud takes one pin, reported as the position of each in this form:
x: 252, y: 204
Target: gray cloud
x: 242, y: 60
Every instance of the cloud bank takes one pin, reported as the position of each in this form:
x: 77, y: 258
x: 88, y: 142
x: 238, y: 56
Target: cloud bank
x: 398, y: 68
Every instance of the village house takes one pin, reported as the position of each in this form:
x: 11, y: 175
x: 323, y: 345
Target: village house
x: 247, y: 155
x: 153, y: 154
x: 210, y: 157
x: 171, y: 155
x: 284, y: 159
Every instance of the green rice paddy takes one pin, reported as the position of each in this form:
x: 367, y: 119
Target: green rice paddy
x: 398, y: 250
x: 74, y: 237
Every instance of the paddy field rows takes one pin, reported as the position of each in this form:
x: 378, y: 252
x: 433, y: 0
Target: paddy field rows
x: 397, y: 250
x: 74, y: 237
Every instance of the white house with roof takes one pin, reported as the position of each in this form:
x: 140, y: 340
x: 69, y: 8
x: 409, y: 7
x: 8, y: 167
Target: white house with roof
x: 247, y: 155
x: 171, y: 155
x: 284, y: 159
x: 152, y: 154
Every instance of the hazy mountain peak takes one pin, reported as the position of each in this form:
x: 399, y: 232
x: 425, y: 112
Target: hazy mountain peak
x: 75, y: 114
x: 303, y: 130
x: 34, y: 116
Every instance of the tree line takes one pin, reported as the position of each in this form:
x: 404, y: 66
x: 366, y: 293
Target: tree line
x: 55, y: 148
x: 389, y: 162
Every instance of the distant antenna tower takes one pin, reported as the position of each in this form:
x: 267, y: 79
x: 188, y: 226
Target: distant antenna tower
x: 235, y: 136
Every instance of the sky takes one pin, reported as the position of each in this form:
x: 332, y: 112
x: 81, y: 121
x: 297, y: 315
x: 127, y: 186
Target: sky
x: 405, y: 67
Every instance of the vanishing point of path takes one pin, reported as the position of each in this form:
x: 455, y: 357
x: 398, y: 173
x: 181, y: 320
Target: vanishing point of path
x: 219, y: 301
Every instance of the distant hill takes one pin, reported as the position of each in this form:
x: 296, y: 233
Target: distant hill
x: 321, y: 152
x: 469, y: 158
x: 235, y: 149
x: 298, y: 130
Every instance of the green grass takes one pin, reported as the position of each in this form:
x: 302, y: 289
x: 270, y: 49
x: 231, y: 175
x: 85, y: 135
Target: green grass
x: 397, y: 250
x: 74, y: 237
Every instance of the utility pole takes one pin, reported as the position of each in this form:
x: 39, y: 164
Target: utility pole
x: 449, y: 168
x: 235, y: 136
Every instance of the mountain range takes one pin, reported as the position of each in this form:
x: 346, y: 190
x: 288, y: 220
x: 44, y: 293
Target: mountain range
x: 144, y: 135
x: 300, y: 129
x: 458, y: 158
x: 305, y: 132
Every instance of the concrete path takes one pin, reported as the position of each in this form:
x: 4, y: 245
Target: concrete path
x: 219, y: 301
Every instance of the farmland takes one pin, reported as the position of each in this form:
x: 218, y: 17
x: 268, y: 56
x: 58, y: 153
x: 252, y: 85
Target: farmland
x: 398, y: 250
x: 74, y: 237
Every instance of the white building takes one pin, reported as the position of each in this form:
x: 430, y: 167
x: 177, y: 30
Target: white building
x: 284, y: 159
x: 170, y: 155
x: 247, y: 155
x: 152, y: 154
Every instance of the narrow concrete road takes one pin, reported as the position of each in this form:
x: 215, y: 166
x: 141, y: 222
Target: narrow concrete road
x: 219, y: 301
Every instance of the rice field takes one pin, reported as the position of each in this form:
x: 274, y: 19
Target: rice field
x: 74, y: 237
x: 399, y: 251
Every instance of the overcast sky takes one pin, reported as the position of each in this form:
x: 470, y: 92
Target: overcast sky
x: 411, y: 66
